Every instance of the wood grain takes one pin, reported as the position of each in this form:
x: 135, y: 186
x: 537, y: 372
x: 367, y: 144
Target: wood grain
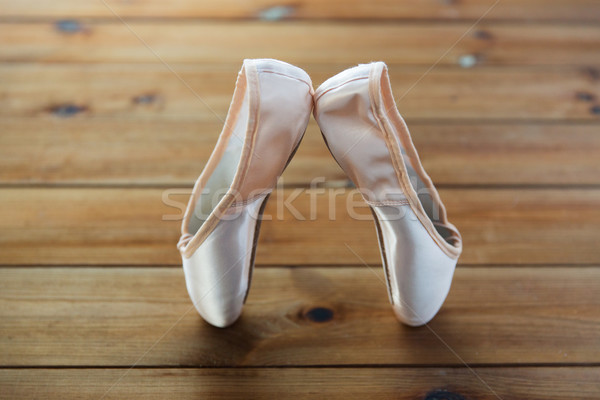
x: 533, y: 383
x: 529, y: 10
x: 131, y: 152
x: 141, y: 226
x: 111, y: 316
x: 203, y: 92
x: 316, y: 42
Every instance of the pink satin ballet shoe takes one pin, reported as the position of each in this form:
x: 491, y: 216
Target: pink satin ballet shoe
x: 370, y: 141
x: 267, y: 118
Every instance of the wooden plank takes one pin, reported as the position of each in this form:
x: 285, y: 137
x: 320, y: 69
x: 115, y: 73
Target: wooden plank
x: 153, y: 92
x: 321, y: 42
x: 533, y: 383
x: 139, y: 152
x: 530, y: 10
x: 112, y: 316
x: 141, y: 226
x: 133, y: 152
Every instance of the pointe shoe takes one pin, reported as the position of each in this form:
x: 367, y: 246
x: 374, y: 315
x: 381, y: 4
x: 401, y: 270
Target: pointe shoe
x: 370, y: 141
x: 267, y: 118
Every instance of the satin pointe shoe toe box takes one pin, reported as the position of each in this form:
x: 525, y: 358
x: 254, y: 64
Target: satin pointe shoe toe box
x: 267, y: 118
x: 420, y: 271
x: 218, y: 272
x: 370, y: 141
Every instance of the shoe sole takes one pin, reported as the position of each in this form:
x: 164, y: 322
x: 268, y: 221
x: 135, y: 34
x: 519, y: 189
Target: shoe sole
x: 259, y: 221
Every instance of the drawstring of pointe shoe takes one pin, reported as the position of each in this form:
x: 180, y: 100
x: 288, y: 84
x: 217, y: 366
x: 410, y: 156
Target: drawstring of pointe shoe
x: 183, y: 241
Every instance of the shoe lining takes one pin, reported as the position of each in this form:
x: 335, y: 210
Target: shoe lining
x: 420, y: 181
x: 227, y: 155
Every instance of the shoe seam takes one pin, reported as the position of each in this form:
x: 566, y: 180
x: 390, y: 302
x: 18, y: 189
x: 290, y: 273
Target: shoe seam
x: 318, y: 94
x: 404, y: 202
x: 252, y: 199
x: 309, y: 84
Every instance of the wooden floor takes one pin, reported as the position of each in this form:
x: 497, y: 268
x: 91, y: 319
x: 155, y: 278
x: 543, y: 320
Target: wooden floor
x: 109, y: 110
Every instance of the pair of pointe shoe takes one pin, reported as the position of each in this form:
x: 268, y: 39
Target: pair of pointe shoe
x: 366, y: 135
